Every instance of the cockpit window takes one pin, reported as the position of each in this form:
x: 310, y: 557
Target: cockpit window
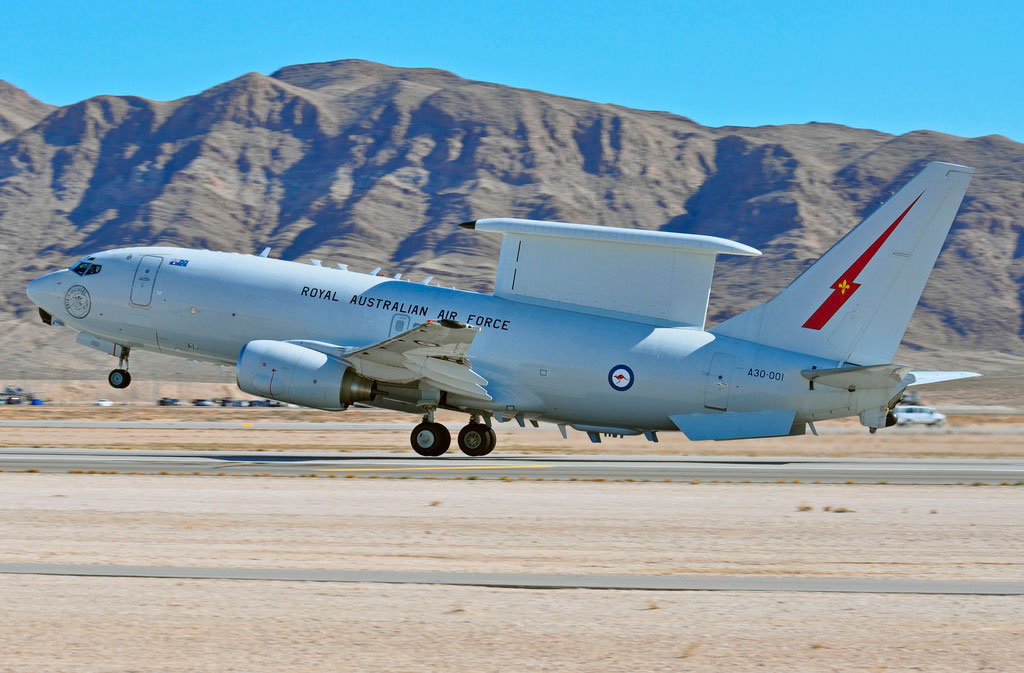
x: 86, y: 269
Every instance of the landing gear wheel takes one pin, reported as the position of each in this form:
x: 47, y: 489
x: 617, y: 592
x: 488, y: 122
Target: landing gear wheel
x: 430, y: 439
x: 119, y: 378
x: 476, y: 439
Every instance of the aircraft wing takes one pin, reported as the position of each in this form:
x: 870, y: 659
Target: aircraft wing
x: 433, y: 351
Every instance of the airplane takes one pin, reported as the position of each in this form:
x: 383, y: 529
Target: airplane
x: 601, y: 329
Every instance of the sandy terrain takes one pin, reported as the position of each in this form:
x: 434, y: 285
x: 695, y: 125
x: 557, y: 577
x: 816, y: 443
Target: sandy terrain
x: 82, y: 625
x: 102, y: 624
x: 927, y: 532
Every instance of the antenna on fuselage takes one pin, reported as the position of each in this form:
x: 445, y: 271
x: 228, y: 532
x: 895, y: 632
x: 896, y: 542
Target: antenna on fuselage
x: 375, y: 271
x: 426, y: 281
x: 314, y: 262
x: 343, y: 267
x: 266, y: 252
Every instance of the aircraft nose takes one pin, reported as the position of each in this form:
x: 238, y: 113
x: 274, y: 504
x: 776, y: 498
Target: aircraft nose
x: 42, y: 290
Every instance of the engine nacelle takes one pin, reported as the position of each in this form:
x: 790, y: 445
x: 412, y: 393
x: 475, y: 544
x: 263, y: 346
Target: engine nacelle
x: 299, y: 375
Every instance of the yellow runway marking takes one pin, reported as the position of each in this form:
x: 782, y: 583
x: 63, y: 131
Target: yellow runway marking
x: 460, y: 467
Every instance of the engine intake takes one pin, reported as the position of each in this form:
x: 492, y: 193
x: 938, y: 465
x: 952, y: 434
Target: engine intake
x: 300, y: 375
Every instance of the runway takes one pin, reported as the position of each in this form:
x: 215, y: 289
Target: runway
x: 535, y: 580
x: 257, y: 424
x: 520, y: 466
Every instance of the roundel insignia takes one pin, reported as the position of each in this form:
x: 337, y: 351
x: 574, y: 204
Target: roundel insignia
x: 621, y: 377
x: 77, y: 301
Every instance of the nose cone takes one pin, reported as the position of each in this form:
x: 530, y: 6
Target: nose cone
x: 42, y: 290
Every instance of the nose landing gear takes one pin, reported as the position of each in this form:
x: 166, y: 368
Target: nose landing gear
x: 120, y: 378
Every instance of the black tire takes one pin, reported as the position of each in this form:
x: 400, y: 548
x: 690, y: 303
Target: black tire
x: 430, y: 439
x: 119, y: 378
x: 476, y: 439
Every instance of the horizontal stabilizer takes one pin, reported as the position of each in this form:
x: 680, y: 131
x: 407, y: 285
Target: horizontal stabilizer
x: 873, y: 377
x: 731, y: 425
x: 924, y: 378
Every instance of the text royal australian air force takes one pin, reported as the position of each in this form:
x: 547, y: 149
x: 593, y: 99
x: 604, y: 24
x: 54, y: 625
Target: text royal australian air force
x: 398, y: 306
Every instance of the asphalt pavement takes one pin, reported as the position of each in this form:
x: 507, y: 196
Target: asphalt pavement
x: 536, y: 580
x: 520, y: 466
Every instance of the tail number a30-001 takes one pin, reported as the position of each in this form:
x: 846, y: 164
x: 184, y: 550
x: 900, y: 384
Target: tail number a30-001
x: 765, y: 374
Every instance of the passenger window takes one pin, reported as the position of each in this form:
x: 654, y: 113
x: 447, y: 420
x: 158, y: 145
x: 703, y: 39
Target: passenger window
x: 93, y: 268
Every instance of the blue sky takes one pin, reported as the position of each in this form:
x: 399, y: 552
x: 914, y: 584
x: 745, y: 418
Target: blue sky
x: 893, y: 66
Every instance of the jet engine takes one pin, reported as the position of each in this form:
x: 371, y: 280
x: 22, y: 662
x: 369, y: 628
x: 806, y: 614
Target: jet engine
x: 300, y: 375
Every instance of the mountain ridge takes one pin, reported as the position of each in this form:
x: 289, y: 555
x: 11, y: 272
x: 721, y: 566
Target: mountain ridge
x: 375, y: 165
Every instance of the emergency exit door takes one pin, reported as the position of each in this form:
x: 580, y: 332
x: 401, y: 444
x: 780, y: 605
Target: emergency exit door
x: 716, y: 391
x: 145, y: 278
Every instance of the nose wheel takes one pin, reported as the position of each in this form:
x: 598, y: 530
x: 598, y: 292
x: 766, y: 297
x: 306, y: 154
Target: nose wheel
x: 119, y: 378
x: 476, y: 439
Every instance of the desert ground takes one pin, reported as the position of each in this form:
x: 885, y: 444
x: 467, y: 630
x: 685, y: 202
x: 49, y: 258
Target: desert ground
x: 802, y: 530
x: 103, y: 624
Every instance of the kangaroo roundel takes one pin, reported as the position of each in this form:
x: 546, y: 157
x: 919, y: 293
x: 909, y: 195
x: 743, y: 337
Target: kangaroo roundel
x: 621, y: 377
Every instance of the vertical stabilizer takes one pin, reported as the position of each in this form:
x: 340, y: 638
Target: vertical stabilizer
x: 854, y: 303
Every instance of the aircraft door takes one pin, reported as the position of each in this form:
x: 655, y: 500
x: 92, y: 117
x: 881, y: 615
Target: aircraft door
x: 716, y: 392
x: 400, y: 323
x: 145, y: 277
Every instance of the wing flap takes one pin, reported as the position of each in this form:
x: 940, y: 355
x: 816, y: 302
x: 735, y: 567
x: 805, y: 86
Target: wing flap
x: 434, y: 352
x: 451, y: 376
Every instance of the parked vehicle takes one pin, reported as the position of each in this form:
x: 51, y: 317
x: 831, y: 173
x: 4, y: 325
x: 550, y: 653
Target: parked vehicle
x: 203, y: 403
x: 169, y: 402
x: 911, y: 414
x: 103, y: 402
x: 14, y: 399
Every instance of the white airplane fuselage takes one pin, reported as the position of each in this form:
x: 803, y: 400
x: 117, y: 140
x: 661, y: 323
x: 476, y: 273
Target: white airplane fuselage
x: 544, y: 363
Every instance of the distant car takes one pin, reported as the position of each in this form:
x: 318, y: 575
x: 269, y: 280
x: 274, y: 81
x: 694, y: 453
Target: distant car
x: 103, y: 402
x: 13, y: 399
x: 36, y: 401
x: 169, y: 402
x: 203, y: 403
x: 911, y: 414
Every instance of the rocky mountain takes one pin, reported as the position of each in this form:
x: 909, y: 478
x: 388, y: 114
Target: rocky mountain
x: 19, y: 111
x: 374, y: 166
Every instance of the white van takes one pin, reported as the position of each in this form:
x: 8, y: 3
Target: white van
x: 910, y: 414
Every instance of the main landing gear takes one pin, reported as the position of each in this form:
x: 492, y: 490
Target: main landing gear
x: 120, y: 378
x: 430, y: 439
x: 476, y: 439
x: 433, y: 439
